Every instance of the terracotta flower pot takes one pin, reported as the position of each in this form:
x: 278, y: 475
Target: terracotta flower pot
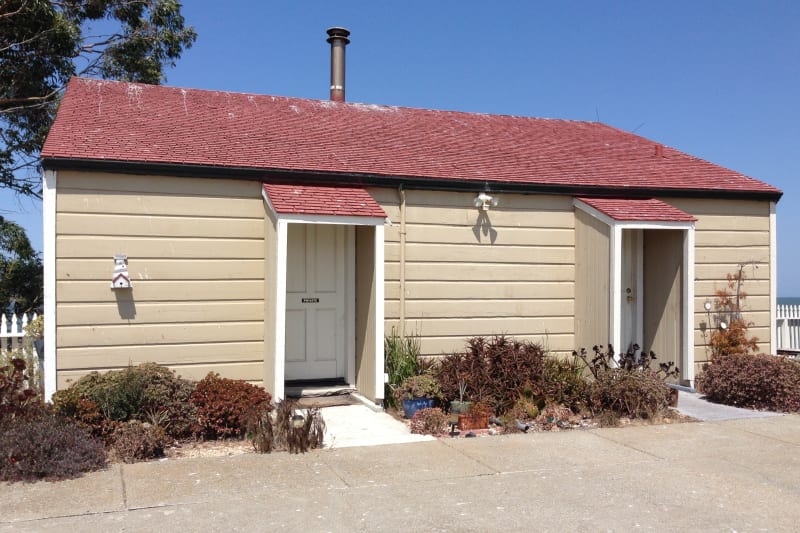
x: 471, y: 421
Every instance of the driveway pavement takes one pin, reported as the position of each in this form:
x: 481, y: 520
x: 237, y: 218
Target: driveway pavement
x: 741, y: 475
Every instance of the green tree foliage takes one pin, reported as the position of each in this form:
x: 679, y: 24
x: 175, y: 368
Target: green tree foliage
x: 43, y: 43
x: 20, y: 269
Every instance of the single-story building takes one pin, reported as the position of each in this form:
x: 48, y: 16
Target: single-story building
x: 276, y: 239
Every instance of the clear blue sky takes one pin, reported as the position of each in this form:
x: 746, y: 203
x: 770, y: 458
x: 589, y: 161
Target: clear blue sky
x: 719, y: 80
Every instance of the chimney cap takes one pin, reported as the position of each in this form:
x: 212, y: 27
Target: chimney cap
x: 338, y: 32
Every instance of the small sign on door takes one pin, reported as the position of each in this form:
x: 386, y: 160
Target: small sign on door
x: 310, y: 300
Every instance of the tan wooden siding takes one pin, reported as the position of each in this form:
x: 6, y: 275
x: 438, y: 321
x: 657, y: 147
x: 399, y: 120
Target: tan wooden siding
x: 510, y: 272
x: 592, y: 264
x: 729, y: 233
x: 196, y: 255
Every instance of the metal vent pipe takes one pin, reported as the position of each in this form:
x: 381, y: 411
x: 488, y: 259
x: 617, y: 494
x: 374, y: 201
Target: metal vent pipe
x: 338, y: 37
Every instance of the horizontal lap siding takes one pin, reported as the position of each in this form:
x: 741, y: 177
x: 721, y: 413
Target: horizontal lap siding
x: 196, y: 259
x: 729, y: 233
x: 513, y: 274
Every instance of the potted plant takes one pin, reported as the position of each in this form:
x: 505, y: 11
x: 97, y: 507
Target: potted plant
x: 460, y: 406
x: 476, y: 418
x: 417, y: 392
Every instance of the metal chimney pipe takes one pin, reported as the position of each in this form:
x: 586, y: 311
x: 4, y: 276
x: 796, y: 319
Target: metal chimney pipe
x: 338, y: 37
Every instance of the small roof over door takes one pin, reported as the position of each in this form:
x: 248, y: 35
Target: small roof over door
x: 637, y: 210
x: 319, y: 200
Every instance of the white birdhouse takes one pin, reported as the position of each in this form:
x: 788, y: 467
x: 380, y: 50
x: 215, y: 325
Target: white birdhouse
x: 120, y: 279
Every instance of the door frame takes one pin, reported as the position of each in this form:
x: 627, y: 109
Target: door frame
x: 616, y: 284
x: 275, y: 375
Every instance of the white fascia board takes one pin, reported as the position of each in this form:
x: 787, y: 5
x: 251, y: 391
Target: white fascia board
x: 379, y: 310
x: 331, y: 219
x: 49, y: 245
x: 644, y: 224
x: 773, y: 277
x: 594, y: 212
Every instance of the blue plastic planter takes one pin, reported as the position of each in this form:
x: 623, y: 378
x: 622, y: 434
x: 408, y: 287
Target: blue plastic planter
x: 412, y: 406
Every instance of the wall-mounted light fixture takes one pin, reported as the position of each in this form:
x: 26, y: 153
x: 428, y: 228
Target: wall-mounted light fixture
x: 484, y: 201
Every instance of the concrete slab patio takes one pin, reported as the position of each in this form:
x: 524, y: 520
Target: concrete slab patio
x: 712, y: 476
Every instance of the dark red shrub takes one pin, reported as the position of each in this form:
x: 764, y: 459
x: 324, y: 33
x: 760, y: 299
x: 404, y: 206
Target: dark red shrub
x: 223, y: 405
x: 47, y: 446
x: 495, y: 371
x: 16, y: 397
x: 756, y: 381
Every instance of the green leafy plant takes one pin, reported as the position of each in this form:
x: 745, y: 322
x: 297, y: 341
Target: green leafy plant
x: 223, y: 405
x: 47, y: 446
x: 429, y: 421
x: 133, y: 393
x: 420, y: 386
x: 752, y: 380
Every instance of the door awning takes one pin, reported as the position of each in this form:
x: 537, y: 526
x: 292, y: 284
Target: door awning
x: 637, y: 210
x: 320, y: 200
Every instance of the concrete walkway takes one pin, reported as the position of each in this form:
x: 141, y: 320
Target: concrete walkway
x: 741, y: 475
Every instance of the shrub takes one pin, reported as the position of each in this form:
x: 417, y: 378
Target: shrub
x: 629, y: 387
x: 635, y: 394
x: 147, y: 392
x: 495, y: 371
x: 563, y: 383
x: 290, y: 430
x: 46, y: 446
x: 138, y: 441
x: 733, y: 338
x: 223, y: 405
x: 421, y: 386
x: 757, y: 381
x: 401, y: 356
x: 430, y: 421
x: 16, y: 397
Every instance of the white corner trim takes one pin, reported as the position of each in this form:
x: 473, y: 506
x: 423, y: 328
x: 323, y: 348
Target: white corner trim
x: 379, y: 311
x: 49, y: 244
x: 688, y: 307
x: 773, y: 277
x: 280, y: 310
x: 615, y: 323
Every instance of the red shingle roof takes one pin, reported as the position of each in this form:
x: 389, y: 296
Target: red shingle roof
x: 118, y: 121
x: 310, y: 200
x: 635, y: 210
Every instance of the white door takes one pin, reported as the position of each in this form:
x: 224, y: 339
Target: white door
x: 632, y: 287
x: 316, y: 310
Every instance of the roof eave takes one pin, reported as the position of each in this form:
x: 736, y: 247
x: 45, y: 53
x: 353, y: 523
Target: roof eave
x: 408, y: 182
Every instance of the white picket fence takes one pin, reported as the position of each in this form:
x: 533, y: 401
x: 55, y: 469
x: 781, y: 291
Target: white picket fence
x: 12, y: 330
x: 787, y: 322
